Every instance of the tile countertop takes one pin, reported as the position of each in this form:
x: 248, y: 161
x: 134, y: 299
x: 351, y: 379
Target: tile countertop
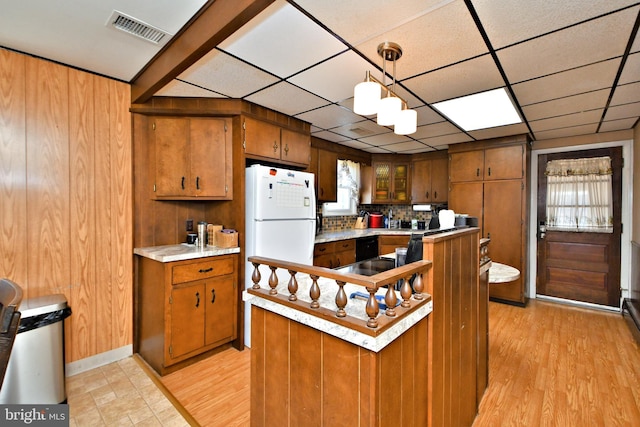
x: 182, y: 252
x: 355, y: 233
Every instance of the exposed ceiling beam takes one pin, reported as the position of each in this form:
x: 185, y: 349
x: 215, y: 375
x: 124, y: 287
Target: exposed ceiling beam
x: 217, y: 20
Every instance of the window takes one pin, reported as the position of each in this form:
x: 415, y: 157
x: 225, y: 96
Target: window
x: 348, y: 190
x: 579, y: 195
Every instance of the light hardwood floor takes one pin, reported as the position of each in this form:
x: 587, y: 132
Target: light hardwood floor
x: 550, y: 365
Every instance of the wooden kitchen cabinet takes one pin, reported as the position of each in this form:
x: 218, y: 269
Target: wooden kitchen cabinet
x: 430, y: 180
x: 391, y: 182
x: 185, y: 308
x: 263, y: 140
x: 192, y: 158
x: 327, y: 176
x: 335, y: 254
x: 387, y: 244
x: 490, y: 182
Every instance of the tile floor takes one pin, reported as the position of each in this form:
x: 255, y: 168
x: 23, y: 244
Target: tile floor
x: 120, y: 394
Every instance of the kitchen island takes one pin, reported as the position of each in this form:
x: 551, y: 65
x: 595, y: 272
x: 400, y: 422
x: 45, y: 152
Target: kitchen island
x: 339, y: 361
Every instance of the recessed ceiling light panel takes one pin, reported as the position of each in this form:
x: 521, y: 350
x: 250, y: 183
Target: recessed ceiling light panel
x: 481, y: 110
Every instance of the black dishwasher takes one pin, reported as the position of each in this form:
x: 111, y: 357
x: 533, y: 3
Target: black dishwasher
x: 366, y: 248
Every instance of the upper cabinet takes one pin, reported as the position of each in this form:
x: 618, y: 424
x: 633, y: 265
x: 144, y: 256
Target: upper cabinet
x: 193, y: 158
x: 327, y: 176
x: 429, y: 180
x: 488, y: 164
x: 263, y: 140
x: 391, y: 182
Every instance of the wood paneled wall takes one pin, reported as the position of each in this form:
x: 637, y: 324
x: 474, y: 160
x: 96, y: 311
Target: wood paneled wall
x: 66, y: 196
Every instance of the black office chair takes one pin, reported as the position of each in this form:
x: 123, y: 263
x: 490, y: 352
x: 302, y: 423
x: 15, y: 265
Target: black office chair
x: 10, y: 299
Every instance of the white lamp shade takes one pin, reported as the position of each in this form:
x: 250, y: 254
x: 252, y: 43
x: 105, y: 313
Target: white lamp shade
x: 406, y: 122
x: 388, y: 109
x: 366, y: 97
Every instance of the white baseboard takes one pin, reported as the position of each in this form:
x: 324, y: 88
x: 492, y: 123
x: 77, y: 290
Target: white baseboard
x: 79, y: 366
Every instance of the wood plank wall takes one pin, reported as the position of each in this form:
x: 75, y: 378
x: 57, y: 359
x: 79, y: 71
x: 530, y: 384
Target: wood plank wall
x: 66, y: 196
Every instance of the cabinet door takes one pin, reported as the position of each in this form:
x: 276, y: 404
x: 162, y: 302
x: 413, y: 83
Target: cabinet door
x: 466, y: 198
x: 382, y: 182
x: 172, y: 156
x: 400, y: 191
x: 439, y: 180
x: 187, y: 319
x: 261, y: 139
x: 295, y: 147
x: 503, y: 222
x: 327, y: 176
x: 466, y: 166
x: 504, y: 162
x: 211, y: 172
x: 421, y: 182
x: 221, y: 303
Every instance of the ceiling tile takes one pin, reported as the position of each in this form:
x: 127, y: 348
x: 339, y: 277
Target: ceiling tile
x: 626, y: 94
x: 183, y: 89
x: 584, y: 44
x: 454, y: 138
x: 580, y: 80
x: 623, y: 111
x: 334, y: 79
x: 329, y: 136
x: 355, y: 144
x: 278, y: 41
x: 404, y: 146
x: 287, y: 98
x: 436, y: 129
x: 442, y: 37
x: 385, y: 139
x: 497, y: 132
x: 377, y: 150
x: 331, y: 116
x: 636, y: 44
x: 565, y: 132
x: 473, y: 76
x: 631, y: 70
x: 224, y: 74
x: 567, y: 105
x: 427, y: 116
x: 568, y: 120
x: 510, y: 21
x: 374, y: 17
x: 620, y: 124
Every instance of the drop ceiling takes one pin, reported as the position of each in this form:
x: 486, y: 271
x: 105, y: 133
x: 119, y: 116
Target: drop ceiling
x: 572, y: 67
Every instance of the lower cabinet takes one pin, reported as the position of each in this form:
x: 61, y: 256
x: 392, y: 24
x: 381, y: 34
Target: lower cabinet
x: 185, y: 308
x: 335, y: 254
x: 388, y: 244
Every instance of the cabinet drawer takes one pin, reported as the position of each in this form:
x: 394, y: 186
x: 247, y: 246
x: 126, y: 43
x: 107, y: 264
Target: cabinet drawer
x: 345, y: 245
x: 324, y: 248
x: 202, y: 270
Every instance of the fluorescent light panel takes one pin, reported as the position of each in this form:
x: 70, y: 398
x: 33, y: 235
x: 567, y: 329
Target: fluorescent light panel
x: 481, y: 110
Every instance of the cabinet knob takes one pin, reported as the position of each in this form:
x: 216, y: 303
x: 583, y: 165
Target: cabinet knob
x: 286, y: 150
x: 197, y: 299
x: 478, y: 172
x: 275, y: 146
x: 197, y: 183
x: 213, y: 295
x: 182, y: 184
x: 435, y: 194
x: 489, y: 171
x: 426, y: 194
x: 205, y: 270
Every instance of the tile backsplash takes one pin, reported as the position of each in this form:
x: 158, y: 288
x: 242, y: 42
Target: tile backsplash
x: 399, y: 212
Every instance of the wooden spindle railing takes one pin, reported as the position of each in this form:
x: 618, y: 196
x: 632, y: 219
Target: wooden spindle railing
x: 371, y: 284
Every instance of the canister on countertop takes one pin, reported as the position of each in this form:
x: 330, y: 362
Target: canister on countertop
x: 202, y: 234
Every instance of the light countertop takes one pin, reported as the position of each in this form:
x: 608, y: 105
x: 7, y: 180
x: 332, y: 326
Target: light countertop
x: 355, y: 233
x: 182, y: 252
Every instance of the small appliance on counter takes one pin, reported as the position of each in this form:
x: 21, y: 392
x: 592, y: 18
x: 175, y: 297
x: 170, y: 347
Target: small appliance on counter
x: 376, y: 220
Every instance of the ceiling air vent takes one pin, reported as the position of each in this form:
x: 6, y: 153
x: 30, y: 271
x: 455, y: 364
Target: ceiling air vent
x: 133, y: 26
x: 360, y: 131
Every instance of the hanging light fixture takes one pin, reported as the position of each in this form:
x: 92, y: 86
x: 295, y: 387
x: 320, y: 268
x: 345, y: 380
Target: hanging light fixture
x: 391, y: 109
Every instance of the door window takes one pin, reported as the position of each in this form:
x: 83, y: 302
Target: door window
x: 579, y: 195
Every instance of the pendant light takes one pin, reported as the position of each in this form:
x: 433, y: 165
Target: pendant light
x: 391, y: 109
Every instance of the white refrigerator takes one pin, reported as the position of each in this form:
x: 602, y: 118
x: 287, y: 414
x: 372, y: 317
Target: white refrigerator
x: 280, y: 222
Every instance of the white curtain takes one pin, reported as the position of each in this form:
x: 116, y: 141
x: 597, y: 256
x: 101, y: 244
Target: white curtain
x: 579, y: 195
x: 349, y: 178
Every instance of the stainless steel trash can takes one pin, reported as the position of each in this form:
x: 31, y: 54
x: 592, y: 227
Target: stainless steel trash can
x: 35, y: 374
